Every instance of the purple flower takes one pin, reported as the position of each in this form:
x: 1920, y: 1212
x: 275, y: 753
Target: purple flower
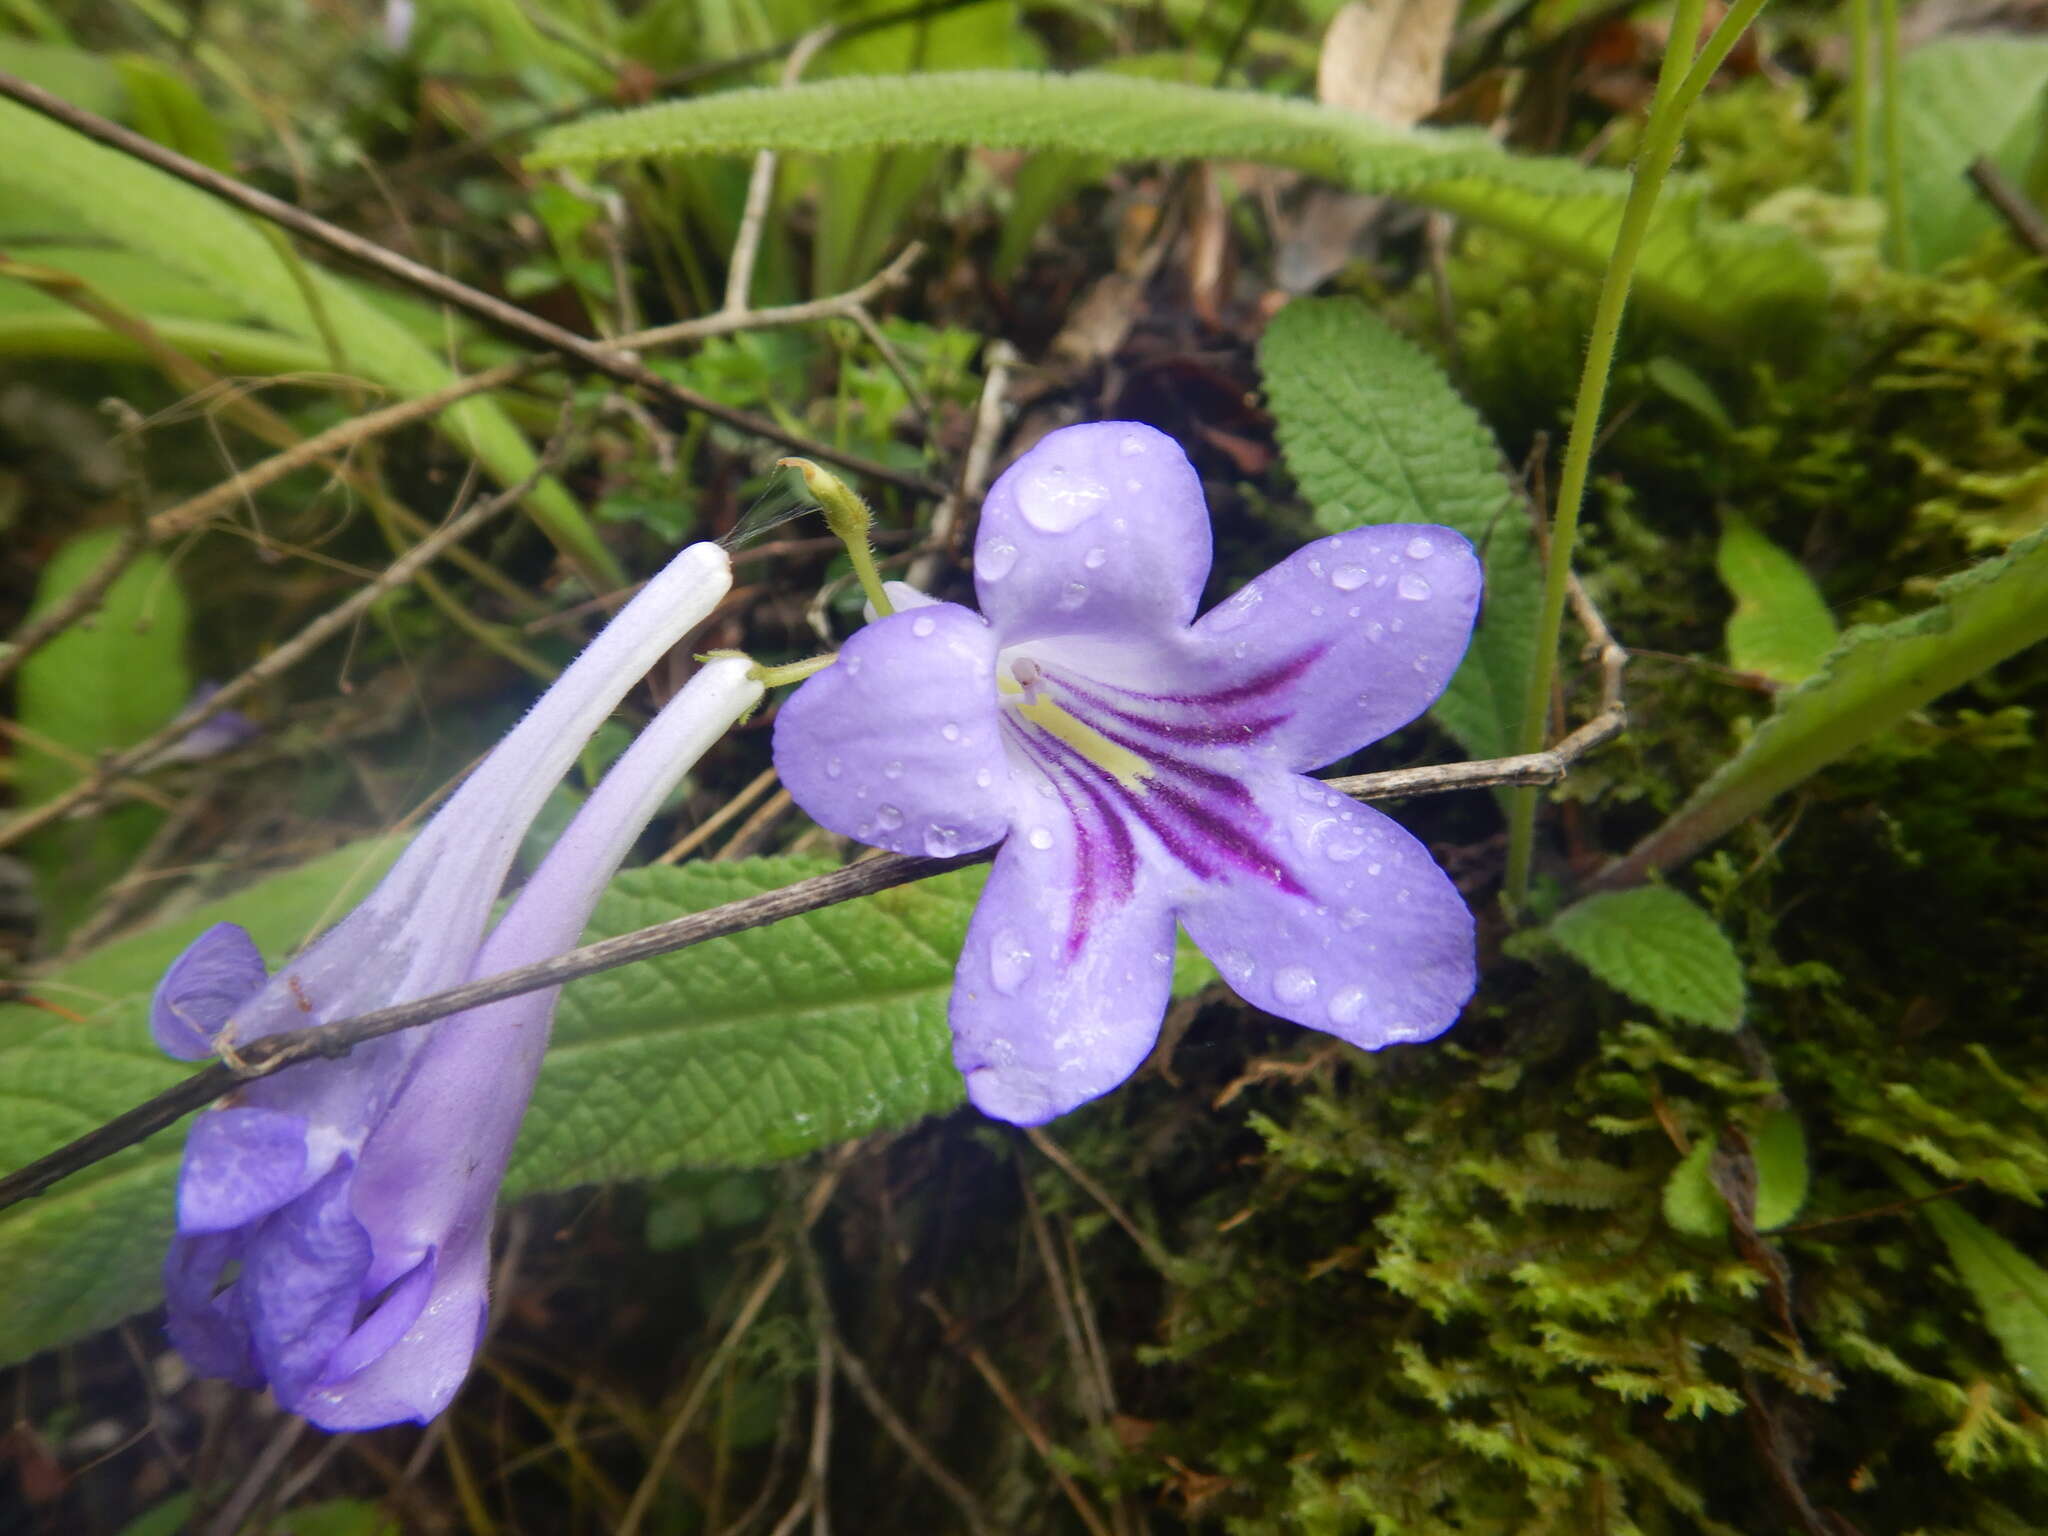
x: 355, y: 1195
x: 1145, y: 768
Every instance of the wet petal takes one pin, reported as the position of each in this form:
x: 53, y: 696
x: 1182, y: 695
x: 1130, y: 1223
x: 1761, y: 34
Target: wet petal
x: 1065, y: 973
x: 218, y: 972
x: 302, y: 1284
x: 418, y: 1375
x: 385, y: 1326
x: 1099, y: 529
x: 1374, y: 945
x: 1349, y: 638
x: 240, y: 1165
x: 897, y: 743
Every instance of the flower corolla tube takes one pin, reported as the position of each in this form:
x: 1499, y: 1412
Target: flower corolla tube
x: 334, y: 1219
x: 1143, y: 768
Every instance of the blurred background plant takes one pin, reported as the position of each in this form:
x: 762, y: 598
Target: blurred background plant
x: 1720, y: 1211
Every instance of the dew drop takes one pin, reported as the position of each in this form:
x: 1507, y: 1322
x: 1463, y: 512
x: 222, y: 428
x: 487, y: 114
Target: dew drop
x: 1057, y: 500
x: 1374, y: 868
x: 1420, y: 549
x: 1009, y: 961
x: 950, y: 731
x: 1348, y: 1006
x: 1351, y: 919
x: 834, y: 768
x: 892, y: 769
x: 1040, y: 838
x: 1241, y: 649
x: 1374, y: 631
x: 1130, y: 445
x: 1294, y: 984
x: 889, y: 817
x: 1400, y: 1034
x: 996, y: 561
x: 1315, y: 610
x: 1344, y: 853
x: 983, y: 779
x: 1237, y: 964
x: 1412, y: 587
x: 941, y: 842
x: 922, y: 627
x: 1073, y: 595
x: 1236, y: 611
x: 1349, y: 578
x: 851, y: 664
x: 1096, y: 558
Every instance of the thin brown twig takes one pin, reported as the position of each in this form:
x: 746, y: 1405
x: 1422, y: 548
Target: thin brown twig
x: 988, y: 425
x: 1055, y: 1154
x: 2022, y: 217
x: 746, y: 245
x: 41, y: 628
x: 492, y: 311
x: 710, y: 826
x: 274, y: 1053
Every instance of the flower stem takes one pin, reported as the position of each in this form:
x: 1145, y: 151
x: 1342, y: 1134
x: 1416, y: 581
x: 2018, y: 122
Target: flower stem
x: 1653, y: 160
x: 1859, y: 98
x: 790, y: 672
x: 848, y: 518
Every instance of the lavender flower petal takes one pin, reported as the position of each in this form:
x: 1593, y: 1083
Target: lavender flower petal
x: 241, y: 1163
x: 302, y: 1281
x: 459, y: 1113
x: 1099, y: 529
x: 917, y: 762
x: 1042, y: 1023
x: 1385, y: 613
x: 1374, y: 946
x: 217, y: 973
x: 206, y: 1323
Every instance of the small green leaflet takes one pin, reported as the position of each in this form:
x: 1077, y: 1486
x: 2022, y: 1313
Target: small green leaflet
x: 1374, y: 433
x: 1721, y: 279
x: 1694, y: 1204
x: 103, y: 684
x: 1876, y: 676
x: 1660, y: 949
x: 1781, y: 626
x: 2010, y: 1289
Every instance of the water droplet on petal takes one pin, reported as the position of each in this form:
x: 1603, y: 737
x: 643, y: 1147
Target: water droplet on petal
x: 1348, y: 1006
x: 1073, y: 595
x: 1344, y: 853
x: 995, y: 561
x: 1412, y: 587
x: 852, y: 665
x: 1009, y: 961
x: 1294, y: 984
x: 983, y: 779
x: 892, y: 769
x: 1130, y: 445
x: 1374, y: 631
x: 1040, y: 838
x: 1374, y: 868
x: 950, y: 731
x: 1349, y: 578
x: 1236, y: 611
x: 1420, y: 549
x: 1056, y: 500
x: 1095, y: 558
x: 941, y: 842
x: 922, y: 627
x: 1236, y: 964
x: 833, y: 768
x: 889, y: 817
x: 1351, y: 918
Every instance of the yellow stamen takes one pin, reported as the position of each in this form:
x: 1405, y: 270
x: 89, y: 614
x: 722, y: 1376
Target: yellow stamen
x: 1129, y: 769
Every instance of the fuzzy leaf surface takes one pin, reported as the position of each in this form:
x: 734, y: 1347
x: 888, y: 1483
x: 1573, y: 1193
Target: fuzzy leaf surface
x: 1374, y: 433
x: 1659, y: 948
x: 2010, y: 1289
x: 1712, y: 276
x: 1961, y: 97
x: 1875, y: 677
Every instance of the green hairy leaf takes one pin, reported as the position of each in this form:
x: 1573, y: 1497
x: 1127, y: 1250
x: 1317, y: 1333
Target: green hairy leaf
x: 1782, y: 1174
x: 1374, y: 433
x: 1660, y: 949
x: 1961, y: 97
x: 146, y: 211
x: 744, y: 1050
x: 1711, y: 276
x: 1876, y: 676
x: 1692, y: 1205
x: 1781, y: 626
x: 2010, y: 1289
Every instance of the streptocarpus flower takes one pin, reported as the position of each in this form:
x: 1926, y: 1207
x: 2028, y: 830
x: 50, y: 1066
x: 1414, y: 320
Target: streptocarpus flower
x: 354, y: 1195
x: 1145, y: 768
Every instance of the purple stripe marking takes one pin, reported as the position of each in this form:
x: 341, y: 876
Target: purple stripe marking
x: 1277, y: 676
x: 1196, y: 733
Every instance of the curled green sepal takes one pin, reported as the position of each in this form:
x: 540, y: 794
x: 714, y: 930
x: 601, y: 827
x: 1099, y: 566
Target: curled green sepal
x: 848, y: 518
